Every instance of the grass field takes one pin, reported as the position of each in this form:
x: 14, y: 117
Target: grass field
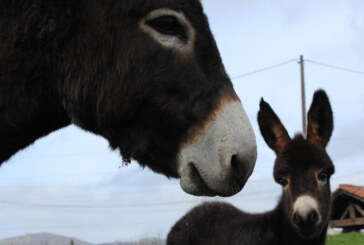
x: 346, y: 239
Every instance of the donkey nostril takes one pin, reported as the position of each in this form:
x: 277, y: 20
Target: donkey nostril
x: 313, y: 217
x: 297, y: 219
x: 237, y: 168
x: 309, y: 220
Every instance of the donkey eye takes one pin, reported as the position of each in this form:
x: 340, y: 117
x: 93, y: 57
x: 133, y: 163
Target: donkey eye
x: 323, y: 176
x: 167, y: 25
x: 282, y: 182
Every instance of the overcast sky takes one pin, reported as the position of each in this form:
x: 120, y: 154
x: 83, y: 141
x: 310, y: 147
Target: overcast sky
x: 70, y: 183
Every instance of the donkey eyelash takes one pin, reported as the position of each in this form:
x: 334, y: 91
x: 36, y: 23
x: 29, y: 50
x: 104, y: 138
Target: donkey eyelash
x: 170, y: 28
x: 323, y: 176
x: 283, y: 182
x: 167, y: 25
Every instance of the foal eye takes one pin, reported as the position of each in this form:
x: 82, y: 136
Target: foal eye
x: 323, y: 176
x: 167, y: 25
x: 282, y: 182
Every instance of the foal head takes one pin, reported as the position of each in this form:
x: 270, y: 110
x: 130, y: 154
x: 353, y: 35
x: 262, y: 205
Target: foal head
x: 302, y: 166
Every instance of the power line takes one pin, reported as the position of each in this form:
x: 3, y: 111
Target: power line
x: 122, y: 206
x: 66, y: 206
x: 334, y: 67
x: 88, y: 226
x: 264, y: 69
x: 295, y: 60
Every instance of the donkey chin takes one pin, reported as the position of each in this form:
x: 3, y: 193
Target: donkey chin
x: 219, y: 160
x: 310, y: 233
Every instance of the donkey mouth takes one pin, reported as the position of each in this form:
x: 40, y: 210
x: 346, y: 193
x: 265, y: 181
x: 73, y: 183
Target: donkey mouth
x: 193, y: 183
x: 310, y: 233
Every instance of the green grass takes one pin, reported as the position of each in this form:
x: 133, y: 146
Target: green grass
x: 346, y: 239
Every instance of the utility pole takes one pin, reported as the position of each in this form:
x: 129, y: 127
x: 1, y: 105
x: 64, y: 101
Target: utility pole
x: 303, y: 97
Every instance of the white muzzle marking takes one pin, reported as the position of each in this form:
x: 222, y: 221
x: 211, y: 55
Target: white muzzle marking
x: 304, y: 205
x: 205, y: 164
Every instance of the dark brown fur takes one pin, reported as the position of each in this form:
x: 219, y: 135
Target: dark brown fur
x: 299, y: 161
x: 86, y: 62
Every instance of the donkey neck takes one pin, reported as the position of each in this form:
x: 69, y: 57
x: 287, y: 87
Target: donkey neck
x: 285, y: 234
x: 29, y: 109
x: 30, y: 79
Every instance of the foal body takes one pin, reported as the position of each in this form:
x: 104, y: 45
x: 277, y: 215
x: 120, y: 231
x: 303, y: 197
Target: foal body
x: 225, y: 224
x: 302, y: 167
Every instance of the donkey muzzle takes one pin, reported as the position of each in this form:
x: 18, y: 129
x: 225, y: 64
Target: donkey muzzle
x: 220, y: 160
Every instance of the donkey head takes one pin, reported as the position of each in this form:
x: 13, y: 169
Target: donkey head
x: 158, y: 91
x: 302, y: 166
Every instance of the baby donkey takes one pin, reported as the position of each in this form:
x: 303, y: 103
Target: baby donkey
x: 303, y: 169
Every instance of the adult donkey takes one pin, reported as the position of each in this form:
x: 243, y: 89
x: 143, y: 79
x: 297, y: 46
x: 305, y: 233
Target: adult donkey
x: 144, y: 74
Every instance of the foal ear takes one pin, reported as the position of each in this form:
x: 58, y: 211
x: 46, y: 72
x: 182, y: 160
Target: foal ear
x: 271, y: 128
x: 319, y: 119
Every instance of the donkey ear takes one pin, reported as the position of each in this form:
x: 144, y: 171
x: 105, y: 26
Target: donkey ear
x: 319, y: 119
x: 271, y: 128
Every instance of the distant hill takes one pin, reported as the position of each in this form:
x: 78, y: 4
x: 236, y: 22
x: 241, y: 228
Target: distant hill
x: 52, y: 239
x: 147, y: 241
x: 42, y: 239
